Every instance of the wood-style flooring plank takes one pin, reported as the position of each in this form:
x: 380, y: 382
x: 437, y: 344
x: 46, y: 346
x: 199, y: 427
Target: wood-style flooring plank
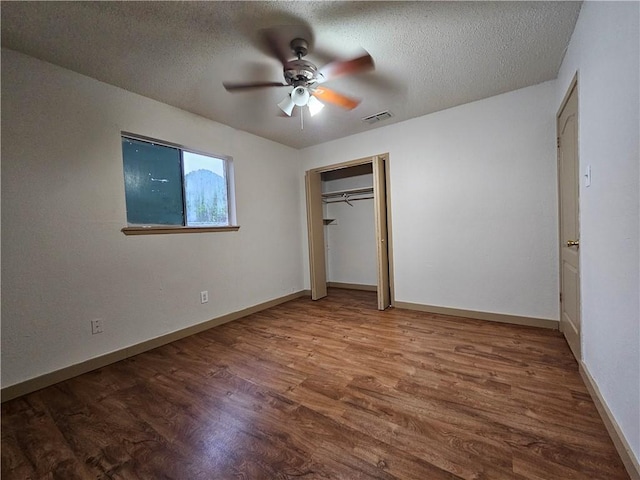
x: 332, y: 389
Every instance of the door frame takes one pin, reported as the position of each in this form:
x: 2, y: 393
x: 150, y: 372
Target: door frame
x: 387, y: 202
x: 573, y: 85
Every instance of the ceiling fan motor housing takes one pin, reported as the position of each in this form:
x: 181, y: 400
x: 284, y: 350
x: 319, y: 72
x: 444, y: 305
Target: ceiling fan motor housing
x: 300, y: 72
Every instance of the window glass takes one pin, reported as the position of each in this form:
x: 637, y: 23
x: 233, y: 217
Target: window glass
x: 153, y: 183
x: 205, y: 190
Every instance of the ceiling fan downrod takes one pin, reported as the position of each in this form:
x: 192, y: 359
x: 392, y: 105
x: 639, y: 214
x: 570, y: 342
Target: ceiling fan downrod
x: 300, y: 47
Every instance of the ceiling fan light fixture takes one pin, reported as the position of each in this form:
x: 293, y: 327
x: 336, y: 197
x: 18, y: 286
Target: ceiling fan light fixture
x: 287, y: 105
x: 300, y: 96
x: 314, y: 105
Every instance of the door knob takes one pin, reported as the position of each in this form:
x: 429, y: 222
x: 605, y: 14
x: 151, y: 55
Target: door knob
x: 573, y: 243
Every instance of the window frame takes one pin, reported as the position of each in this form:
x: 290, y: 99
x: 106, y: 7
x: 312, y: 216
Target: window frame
x: 155, y: 229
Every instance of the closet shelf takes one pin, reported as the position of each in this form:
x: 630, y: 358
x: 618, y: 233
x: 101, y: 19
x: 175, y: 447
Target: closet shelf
x: 349, y: 191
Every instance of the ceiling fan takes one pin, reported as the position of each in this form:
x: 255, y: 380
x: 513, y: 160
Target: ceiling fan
x: 306, y: 79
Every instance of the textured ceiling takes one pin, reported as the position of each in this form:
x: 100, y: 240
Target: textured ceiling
x: 429, y: 55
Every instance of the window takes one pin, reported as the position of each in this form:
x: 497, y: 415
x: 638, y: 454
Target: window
x: 168, y: 186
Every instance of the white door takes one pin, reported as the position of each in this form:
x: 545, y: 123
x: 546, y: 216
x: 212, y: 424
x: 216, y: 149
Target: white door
x: 569, y: 222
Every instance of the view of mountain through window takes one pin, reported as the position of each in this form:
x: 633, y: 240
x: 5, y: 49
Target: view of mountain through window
x: 205, y: 190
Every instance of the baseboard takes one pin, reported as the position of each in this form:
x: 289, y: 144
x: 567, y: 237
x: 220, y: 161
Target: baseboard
x: 33, y: 384
x: 492, y: 317
x: 619, y: 441
x: 353, y: 286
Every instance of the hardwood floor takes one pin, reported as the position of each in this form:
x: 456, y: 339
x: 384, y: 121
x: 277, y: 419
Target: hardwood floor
x: 330, y: 389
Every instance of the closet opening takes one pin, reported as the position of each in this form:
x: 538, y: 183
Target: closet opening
x: 348, y: 225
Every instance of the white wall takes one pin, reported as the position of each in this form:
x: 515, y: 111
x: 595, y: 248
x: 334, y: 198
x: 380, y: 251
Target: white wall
x: 474, y: 203
x: 65, y: 259
x: 605, y: 52
x: 350, y: 241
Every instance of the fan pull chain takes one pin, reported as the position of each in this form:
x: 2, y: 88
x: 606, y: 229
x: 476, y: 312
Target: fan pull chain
x: 301, y: 119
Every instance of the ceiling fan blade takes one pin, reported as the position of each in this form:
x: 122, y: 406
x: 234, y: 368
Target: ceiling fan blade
x: 272, y: 40
x: 234, y: 87
x: 331, y: 96
x: 339, y: 68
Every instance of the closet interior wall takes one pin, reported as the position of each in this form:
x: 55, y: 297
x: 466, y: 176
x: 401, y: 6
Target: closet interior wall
x: 349, y: 227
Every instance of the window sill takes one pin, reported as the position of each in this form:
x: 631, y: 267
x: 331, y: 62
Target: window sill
x: 165, y: 230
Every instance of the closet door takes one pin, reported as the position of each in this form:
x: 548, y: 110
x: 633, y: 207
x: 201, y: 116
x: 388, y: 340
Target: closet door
x: 317, y: 265
x: 380, y: 212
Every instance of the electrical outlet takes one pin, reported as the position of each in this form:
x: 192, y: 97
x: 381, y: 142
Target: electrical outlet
x: 204, y: 296
x: 96, y: 326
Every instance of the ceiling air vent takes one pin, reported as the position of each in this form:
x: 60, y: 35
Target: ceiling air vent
x: 377, y: 117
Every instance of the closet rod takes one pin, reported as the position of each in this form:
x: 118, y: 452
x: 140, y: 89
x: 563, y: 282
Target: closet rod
x: 347, y: 200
